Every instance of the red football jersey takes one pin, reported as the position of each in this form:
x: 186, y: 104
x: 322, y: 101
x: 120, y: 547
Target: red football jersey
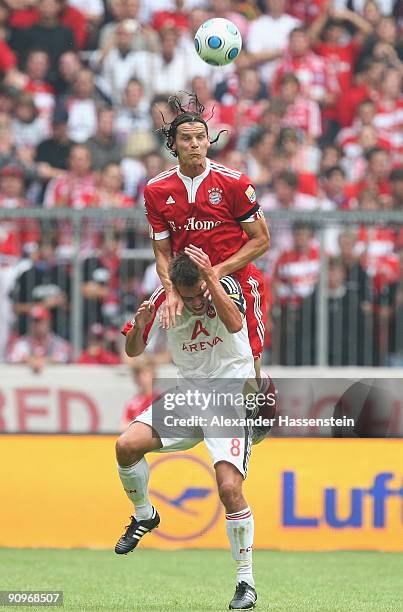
x: 205, y: 211
x: 297, y: 274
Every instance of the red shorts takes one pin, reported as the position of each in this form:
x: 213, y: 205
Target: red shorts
x: 252, y: 283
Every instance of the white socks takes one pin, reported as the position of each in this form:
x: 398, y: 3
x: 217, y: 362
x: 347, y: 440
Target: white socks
x: 240, y: 528
x: 135, y: 482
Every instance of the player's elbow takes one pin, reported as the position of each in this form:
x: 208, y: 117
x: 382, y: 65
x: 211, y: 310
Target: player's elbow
x: 131, y: 350
x: 264, y: 242
x: 132, y: 353
x: 261, y: 243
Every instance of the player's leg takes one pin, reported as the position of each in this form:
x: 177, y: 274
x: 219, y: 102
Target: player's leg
x: 230, y: 457
x: 131, y: 446
x: 240, y: 530
x: 140, y: 438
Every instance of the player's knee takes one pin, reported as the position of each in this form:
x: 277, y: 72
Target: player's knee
x: 128, y: 449
x: 229, y: 492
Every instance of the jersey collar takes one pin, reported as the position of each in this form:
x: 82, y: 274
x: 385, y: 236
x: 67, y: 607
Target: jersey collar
x: 197, y: 179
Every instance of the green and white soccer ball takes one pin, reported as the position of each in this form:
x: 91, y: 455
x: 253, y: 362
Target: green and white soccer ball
x: 218, y: 41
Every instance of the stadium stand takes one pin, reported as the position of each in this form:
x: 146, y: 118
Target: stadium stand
x: 314, y: 113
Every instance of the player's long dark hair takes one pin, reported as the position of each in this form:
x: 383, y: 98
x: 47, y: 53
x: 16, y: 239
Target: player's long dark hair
x: 191, y: 113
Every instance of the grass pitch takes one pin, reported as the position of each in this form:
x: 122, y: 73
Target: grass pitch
x: 205, y: 580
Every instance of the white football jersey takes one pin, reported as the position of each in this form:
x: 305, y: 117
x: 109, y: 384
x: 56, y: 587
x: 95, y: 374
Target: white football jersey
x: 200, y: 345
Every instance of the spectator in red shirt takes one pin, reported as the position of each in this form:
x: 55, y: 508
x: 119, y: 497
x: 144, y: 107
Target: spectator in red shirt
x: 36, y: 68
x: 143, y: 373
x: 301, y: 112
x: 305, y: 10
x: 251, y: 100
x: 366, y: 87
x: 243, y: 100
x: 76, y: 189
x: 96, y: 352
x: 328, y: 34
x: 295, y: 280
x: 177, y: 19
x: 365, y: 115
x: 389, y: 111
x: 17, y: 236
x: 109, y: 193
x: 355, y: 154
x: 376, y: 175
x: 41, y: 346
x: 316, y: 77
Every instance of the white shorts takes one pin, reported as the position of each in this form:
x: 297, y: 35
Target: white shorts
x: 234, y: 450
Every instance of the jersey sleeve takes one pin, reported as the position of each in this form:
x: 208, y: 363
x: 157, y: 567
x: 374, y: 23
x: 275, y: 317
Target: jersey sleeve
x: 159, y: 228
x: 234, y: 291
x: 157, y: 298
x: 244, y: 204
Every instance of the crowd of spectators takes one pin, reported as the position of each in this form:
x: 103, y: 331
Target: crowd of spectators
x: 313, y: 110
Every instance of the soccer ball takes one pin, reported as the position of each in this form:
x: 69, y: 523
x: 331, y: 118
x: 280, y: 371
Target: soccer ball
x: 218, y: 41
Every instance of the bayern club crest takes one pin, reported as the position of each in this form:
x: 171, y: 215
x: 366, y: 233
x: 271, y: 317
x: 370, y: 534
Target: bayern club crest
x: 215, y: 195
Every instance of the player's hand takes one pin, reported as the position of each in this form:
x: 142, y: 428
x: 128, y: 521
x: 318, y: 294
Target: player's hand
x: 202, y: 261
x: 205, y: 289
x: 144, y: 314
x: 172, y: 308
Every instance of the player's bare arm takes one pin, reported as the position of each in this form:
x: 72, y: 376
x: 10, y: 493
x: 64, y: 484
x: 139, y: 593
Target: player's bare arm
x: 134, y: 339
x: 225, y: 307
x: 173, y: 305
x: 258, y: 243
